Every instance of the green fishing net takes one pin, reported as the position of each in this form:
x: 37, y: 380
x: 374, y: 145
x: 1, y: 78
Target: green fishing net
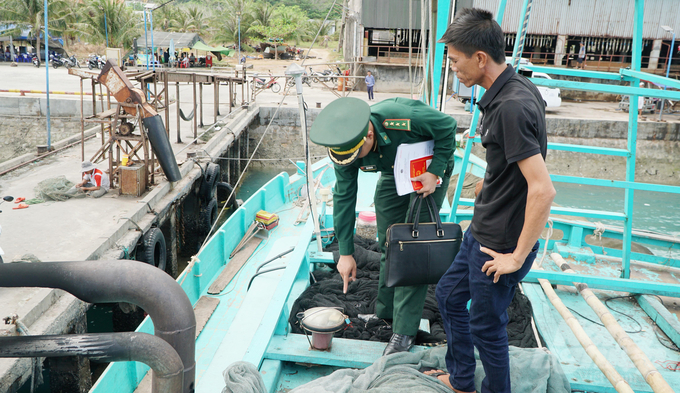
x: 57, y: 189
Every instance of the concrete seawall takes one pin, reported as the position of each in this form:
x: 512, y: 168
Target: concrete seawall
x: 657, y: 161
x: 24, y: 123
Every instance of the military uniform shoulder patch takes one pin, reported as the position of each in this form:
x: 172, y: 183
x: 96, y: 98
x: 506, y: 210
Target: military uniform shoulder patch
x: 397, y: 124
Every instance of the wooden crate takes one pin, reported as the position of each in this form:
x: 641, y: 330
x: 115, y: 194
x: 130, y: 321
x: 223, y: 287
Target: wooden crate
x: 132, y: 180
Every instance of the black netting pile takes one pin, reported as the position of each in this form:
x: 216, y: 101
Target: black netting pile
x: 361, y: 297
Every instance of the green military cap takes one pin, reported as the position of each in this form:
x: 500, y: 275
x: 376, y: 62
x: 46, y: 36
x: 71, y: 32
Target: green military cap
x: 341, y: 127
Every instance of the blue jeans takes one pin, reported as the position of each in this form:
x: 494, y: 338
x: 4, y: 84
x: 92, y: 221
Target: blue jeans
x: 484, y: 325
x: 370, y: 92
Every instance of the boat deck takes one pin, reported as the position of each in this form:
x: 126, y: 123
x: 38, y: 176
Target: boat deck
x: 251, y: 324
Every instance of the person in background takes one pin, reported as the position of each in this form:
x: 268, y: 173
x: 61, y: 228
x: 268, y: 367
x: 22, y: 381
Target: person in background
x: 95, y: 181
x: 370, y: 82
x: 581, y: 57
x: 166, y: 56
x: 511, y: 208
x: 641, y: 104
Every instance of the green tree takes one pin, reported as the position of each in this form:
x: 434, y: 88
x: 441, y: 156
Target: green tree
x: 29, y: 14
x: 261, y: 14
x: 226, y: 20
x: 287, y: 23
x: 121, y: 22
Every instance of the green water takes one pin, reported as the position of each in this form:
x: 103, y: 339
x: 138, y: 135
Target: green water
x: 653, y: 211
x: 256, y: 178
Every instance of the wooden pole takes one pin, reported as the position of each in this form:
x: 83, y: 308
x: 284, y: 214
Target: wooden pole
x: 600, y: 361
x: 641, y: 361
x: 200, y: 101
x: 179, y: 137
x: 216, y: 83
x: 82, y: 123
x: 231, y: 96
x: 166, y: 89
x: 193, y: 78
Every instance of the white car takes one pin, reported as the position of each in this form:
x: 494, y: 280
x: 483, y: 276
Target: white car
x: 552, y: 97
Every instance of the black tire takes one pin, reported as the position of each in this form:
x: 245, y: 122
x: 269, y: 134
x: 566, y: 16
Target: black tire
x: 67, y: 65
x: 152, y: 250
x: 55, y: 65
x: 224, y: 190
x: 276, y: 87
x: 207, y: 217
x: 315, y: 79
x: 209, y: 184
x: 89, y: 66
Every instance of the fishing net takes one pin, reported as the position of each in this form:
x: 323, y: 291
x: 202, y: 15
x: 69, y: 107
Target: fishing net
x: 57, y: 189
x: 359, y: 303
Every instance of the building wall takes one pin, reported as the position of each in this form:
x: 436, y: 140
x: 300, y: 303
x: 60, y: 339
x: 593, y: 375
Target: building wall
x: 590, y: 18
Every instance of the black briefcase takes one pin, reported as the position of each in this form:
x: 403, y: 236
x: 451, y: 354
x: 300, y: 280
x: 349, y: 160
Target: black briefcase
x: 419, y: 253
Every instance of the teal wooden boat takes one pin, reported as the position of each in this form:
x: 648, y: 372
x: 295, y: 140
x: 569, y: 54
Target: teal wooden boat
x: 247, y: 317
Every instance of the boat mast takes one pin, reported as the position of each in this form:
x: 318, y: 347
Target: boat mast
x: 296, y: 72
x: 410, y: 46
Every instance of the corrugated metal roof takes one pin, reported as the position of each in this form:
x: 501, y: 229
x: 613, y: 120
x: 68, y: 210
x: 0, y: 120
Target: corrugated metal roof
x: 593, y: 18
x: 390, y: 14
x: 161, y: 39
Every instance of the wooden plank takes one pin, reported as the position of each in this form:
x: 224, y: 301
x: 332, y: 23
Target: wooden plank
x: 661, y: 316
x: 343, y: 353
x: 205, y: 306
x: 107, y: 113
x: 233, y: 266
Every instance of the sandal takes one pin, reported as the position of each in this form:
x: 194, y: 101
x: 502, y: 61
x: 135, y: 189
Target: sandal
x: 435, y: 374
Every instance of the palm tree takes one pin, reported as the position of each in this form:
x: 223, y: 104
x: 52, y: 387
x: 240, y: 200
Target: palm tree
x: 226, y: 22
x: 121, y: 23
x: 198, y: 20
x: 27, y: 14
x: 262, y: 14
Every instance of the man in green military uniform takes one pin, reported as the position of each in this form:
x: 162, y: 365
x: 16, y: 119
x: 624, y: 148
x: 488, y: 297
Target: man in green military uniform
x: 363, y: 137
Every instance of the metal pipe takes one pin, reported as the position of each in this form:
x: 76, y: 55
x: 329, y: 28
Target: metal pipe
x: 120, y: 281
x: 47, y: 77
x: 109, y: 347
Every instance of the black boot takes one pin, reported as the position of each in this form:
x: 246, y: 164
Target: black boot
x: 399, y: 343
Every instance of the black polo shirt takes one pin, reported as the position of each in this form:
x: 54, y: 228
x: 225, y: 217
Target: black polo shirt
x: 512, y: 128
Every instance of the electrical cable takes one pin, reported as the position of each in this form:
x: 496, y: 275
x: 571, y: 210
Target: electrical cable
x: 617, y: 311
x: 273, y: 259
x: 263, y: 272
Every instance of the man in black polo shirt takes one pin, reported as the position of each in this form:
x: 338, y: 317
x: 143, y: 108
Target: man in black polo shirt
x: 510, y: 210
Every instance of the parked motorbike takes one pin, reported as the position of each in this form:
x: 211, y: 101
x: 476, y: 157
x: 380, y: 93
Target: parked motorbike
x: 270, y: 84
x: 58, y: 61
x: 73, y: 62
x: 36, y: 60
x: 305, y: 79
x: 95, y: 61
x: 325, y: 75
x: 4, y: 199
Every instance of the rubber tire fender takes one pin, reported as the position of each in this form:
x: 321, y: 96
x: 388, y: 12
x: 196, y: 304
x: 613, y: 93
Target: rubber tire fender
x: 152, y: 250
x: 207, y: 217
x: 223, y: 191
x: 211, y: 177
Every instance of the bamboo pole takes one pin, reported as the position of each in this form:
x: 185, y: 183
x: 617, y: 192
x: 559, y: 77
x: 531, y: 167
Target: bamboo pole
x: 641, y: 361
x: 591, y: 349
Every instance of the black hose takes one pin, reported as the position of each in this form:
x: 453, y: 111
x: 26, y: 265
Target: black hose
x: 109, y: 347
x: 263, y: 272
x: 120, y: 281
x: 273, y: 259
